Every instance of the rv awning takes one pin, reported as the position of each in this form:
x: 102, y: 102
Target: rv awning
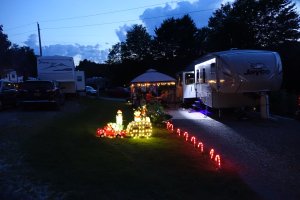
x: 151, y: 76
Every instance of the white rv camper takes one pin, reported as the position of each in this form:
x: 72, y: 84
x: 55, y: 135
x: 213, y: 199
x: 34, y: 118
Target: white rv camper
x: 237, y: 78
x: 62, y: 70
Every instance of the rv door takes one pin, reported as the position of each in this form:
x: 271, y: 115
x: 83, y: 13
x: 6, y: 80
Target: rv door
x: 188, y: 85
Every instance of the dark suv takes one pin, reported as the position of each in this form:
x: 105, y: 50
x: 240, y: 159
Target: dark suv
x: 40, y: 93
x: 8, y: 94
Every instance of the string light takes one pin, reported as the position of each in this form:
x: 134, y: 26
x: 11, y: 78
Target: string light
x: 153, y: 84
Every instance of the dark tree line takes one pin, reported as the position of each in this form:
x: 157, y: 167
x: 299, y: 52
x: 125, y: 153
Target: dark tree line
x: 12, y: 56
x: 244, y: 24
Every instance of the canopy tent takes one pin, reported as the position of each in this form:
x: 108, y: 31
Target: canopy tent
x: 155, y: 82
x: 152, y: 77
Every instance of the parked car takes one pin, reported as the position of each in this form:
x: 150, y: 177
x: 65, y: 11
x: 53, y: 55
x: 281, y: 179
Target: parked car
x: 118, y: 92
x: 40, y: 93
x: 90, y: 91
x: 8, y: 94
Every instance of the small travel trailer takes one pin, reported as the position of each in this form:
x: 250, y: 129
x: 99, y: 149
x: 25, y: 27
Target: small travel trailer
x: 237, y: 78
x: 61, y: 69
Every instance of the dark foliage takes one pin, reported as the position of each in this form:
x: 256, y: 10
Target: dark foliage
x: 21, y: 59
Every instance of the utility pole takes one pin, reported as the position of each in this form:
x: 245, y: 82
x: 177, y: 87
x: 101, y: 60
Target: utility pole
x: 38, y: 26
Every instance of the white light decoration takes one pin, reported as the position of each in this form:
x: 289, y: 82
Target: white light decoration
x: 141, y: 126
x: 119, y: 121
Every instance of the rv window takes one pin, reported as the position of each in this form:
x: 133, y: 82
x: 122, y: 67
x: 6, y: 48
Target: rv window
x: 189, y: 78
x: 202, y: 76
x: 79, y: 78
x: 198, y: 76
x: 213, y: 68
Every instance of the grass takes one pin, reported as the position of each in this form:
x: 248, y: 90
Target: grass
x: 66, y: 155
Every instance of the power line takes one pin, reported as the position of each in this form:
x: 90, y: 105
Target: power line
x: 108, y: 12
x: 20, y: 26
x: 125, y: 21
x: 23, y: 33
x: 92, y: 15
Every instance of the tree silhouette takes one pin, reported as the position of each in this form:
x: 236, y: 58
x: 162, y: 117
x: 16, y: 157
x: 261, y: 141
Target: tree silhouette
x: 253, y: 24
x: 138, y: 44
x: 4, y: 49
x: 175, y: 38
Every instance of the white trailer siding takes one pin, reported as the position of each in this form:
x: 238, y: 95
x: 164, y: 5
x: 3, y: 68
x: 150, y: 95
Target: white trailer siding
x: 56, y: 68
x: 62, y: 70
x: 235, y: 78
x: 80, y: 81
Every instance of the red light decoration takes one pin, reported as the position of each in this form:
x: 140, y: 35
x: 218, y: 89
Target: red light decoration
x: 211, y: 153
x: 200, y: 144
x: 218, y: 160
x: 193, y: 140
x: 168, y: 123
x: 170, y: 126
x: 186, y: 135
x: 178, y: 132
x: 108, y: 131
x: 99, y: 132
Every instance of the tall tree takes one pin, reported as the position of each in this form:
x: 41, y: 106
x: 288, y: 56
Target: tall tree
x: 176, y: 38
x: 4, y: 49
x: 253, y: 24
x: 277, y: 22
x: 23, y: 60
x: 115, y: 54
x: 137, y: 46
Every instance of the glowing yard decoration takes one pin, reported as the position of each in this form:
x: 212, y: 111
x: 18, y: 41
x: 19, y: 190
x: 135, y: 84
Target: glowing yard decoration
x: 119, y: 120
x: 200, y: 144
x: 113, y: 129
x: 186, y: 135
x: 193, y: 140
x: 109, y: 131
x: 178, y: 132
x: 218, y: 160
x: 141, y: 126
x: 170, y: 127
x: 137, y: 116
x: 211, y: 153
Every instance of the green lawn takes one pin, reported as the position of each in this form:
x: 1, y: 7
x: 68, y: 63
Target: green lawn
x: 66, y: 155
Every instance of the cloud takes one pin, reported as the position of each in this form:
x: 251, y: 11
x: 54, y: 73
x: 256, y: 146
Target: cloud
x: 122, y: 31
x: 200, y: 11
x: 77, y: 51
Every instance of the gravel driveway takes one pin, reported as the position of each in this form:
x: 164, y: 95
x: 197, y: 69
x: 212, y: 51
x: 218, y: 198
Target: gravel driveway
x: 264, y: 152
